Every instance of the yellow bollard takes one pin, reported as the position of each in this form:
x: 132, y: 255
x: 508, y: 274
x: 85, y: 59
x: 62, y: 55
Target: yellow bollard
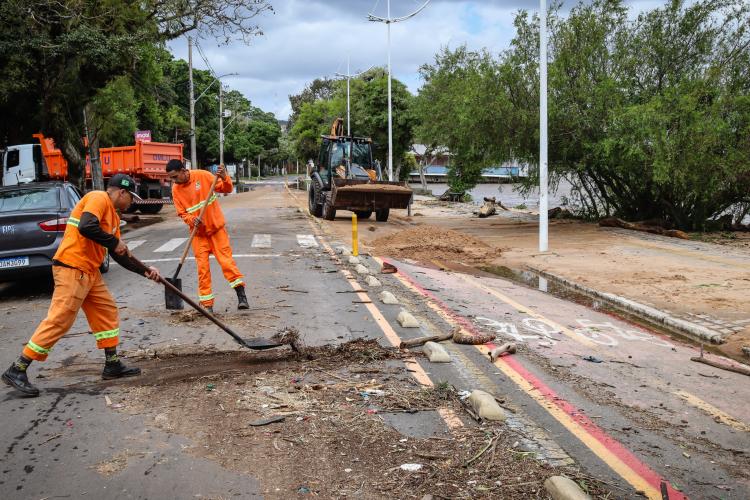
x: 355, y: 246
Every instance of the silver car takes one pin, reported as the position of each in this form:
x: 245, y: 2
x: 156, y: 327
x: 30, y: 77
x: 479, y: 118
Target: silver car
x: 33, y: 218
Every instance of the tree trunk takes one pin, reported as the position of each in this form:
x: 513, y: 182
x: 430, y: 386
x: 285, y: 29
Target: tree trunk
x: 71, y: 151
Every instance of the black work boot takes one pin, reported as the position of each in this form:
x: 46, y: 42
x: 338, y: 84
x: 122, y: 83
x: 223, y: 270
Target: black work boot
x: 116, y: 369
x: 18, y: 379
x: 241, y: 298
x: 209, y: 309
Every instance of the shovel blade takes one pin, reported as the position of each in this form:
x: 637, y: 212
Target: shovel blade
x: 171, y: 299
x: 260, y: 344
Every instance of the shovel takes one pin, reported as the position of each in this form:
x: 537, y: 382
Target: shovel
x: 254, y: 343
x: 172, y: 300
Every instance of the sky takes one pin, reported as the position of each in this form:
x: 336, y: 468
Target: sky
x: 308, y: 39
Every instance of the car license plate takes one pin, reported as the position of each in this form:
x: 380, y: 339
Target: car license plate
x: 14, y: 262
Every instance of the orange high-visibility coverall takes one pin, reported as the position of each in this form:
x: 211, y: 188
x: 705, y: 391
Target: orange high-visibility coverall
x: 80, y: 285
x: 212, y: 237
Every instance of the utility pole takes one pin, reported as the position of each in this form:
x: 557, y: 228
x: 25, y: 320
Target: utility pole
x: 193, y: 154
x: 388, y: 21
x: 221, y: 124
x: 97, y: 180
x: 543, y: 236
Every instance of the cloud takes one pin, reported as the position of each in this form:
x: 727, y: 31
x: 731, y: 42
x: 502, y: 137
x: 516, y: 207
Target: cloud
x: 307, y: 39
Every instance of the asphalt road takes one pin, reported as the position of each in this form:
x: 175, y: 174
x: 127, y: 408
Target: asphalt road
x: 643, y: 414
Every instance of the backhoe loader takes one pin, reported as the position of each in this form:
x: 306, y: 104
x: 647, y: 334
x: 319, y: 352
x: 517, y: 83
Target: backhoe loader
x: 346, y: 178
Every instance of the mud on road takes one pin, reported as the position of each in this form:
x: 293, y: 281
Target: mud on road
x: 345, y: 420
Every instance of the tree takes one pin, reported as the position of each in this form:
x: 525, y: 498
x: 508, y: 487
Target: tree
x: 319, y: 89
x: 648, y: 118
x: 60, y: 54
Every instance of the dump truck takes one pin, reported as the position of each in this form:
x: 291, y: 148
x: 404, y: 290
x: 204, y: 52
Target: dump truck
x: 144, y: 161
x: 345, y: 177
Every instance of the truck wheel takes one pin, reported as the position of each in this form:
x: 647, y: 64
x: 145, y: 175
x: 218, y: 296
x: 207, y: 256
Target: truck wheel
x: 313, y: 195
x: 150, y: 209
x: 329, y: 213
x: 382, y: 214
x: 363, y: 214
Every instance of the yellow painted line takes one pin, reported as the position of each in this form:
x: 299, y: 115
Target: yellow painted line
x: 418, y: 372
x: 713, y: 411
x: 609, y: 458
x: 593, y: 444
x: 451, y: 419
x: 520, y: 307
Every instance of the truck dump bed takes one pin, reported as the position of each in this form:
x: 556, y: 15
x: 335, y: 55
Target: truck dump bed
x: 144, y: 160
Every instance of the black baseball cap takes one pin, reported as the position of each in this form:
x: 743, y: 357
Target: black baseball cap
x: 124, y: 181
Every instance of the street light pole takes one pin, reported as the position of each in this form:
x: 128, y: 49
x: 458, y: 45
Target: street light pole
x: 543, y: 202
x: 388, y: 21
x: 193, y: 154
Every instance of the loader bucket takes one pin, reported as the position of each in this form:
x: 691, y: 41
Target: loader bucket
x: 349, y: 194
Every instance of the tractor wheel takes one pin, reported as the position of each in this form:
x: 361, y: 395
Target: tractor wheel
x: 329, y: 213
x: 382, y: 214
x: 313, y: 195
x: 363, y: 214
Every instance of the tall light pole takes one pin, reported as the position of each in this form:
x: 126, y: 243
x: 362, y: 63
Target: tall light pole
x: 543, y: 236
x: 348, y: 77
x: 388, y: 20
x: 193, y: 154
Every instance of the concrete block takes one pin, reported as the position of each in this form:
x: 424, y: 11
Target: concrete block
x: 373, y: 281
x: 406, y: 319
x: 360, y: 269
x: 485, y: 406
x: 354, y: 260
x: 436, y: 353
x: 387, y: 297
x: 563, y: 488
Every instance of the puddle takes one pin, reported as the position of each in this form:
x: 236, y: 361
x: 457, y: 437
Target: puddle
x: 531, y: 279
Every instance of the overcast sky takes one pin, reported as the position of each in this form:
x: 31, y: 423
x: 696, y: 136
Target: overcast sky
x: 307, y: 39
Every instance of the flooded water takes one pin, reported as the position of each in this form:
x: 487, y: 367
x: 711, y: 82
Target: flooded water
x: 510, y: 195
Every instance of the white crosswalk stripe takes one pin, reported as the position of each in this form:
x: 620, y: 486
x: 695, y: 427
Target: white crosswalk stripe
x: 132, y: 245
x: 306, y: 240
x: 171, y: 245
x: 261, y: 241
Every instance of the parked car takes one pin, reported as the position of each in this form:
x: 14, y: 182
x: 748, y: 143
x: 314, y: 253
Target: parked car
x: 33, y: 218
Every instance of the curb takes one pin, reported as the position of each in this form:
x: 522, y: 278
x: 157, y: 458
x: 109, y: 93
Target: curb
x: 641, y: 311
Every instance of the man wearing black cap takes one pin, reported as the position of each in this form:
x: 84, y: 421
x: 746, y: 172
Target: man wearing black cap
x: 93, y: 228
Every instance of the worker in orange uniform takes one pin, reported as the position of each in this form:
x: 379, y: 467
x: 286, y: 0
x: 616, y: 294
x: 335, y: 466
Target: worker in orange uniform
x: 189, y: 192
x: 92, y: 229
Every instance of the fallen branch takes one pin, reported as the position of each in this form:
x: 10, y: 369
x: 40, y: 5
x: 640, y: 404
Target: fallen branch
x: 405, y: 344
x: 615, y: 222
x: 721, y: 366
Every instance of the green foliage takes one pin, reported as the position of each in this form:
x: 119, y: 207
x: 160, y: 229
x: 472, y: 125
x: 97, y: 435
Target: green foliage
x: 369, y: 114
x: 648, y: 118
x: 58, y: 57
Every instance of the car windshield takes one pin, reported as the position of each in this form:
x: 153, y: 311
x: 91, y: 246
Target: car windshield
x: 29, y: 198
x: 360, y: 154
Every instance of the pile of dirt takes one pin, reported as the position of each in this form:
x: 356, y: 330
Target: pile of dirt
x: 429, y: 243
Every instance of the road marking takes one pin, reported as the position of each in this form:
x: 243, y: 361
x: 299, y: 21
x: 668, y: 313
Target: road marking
x: 171, y: 245
x: 261, y: 241
x: 521, y: 308
x: 236, y: 256
x: 132, y: 245
x: 609, y: 450
x: 716, y: 413
x: 306, y: 240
